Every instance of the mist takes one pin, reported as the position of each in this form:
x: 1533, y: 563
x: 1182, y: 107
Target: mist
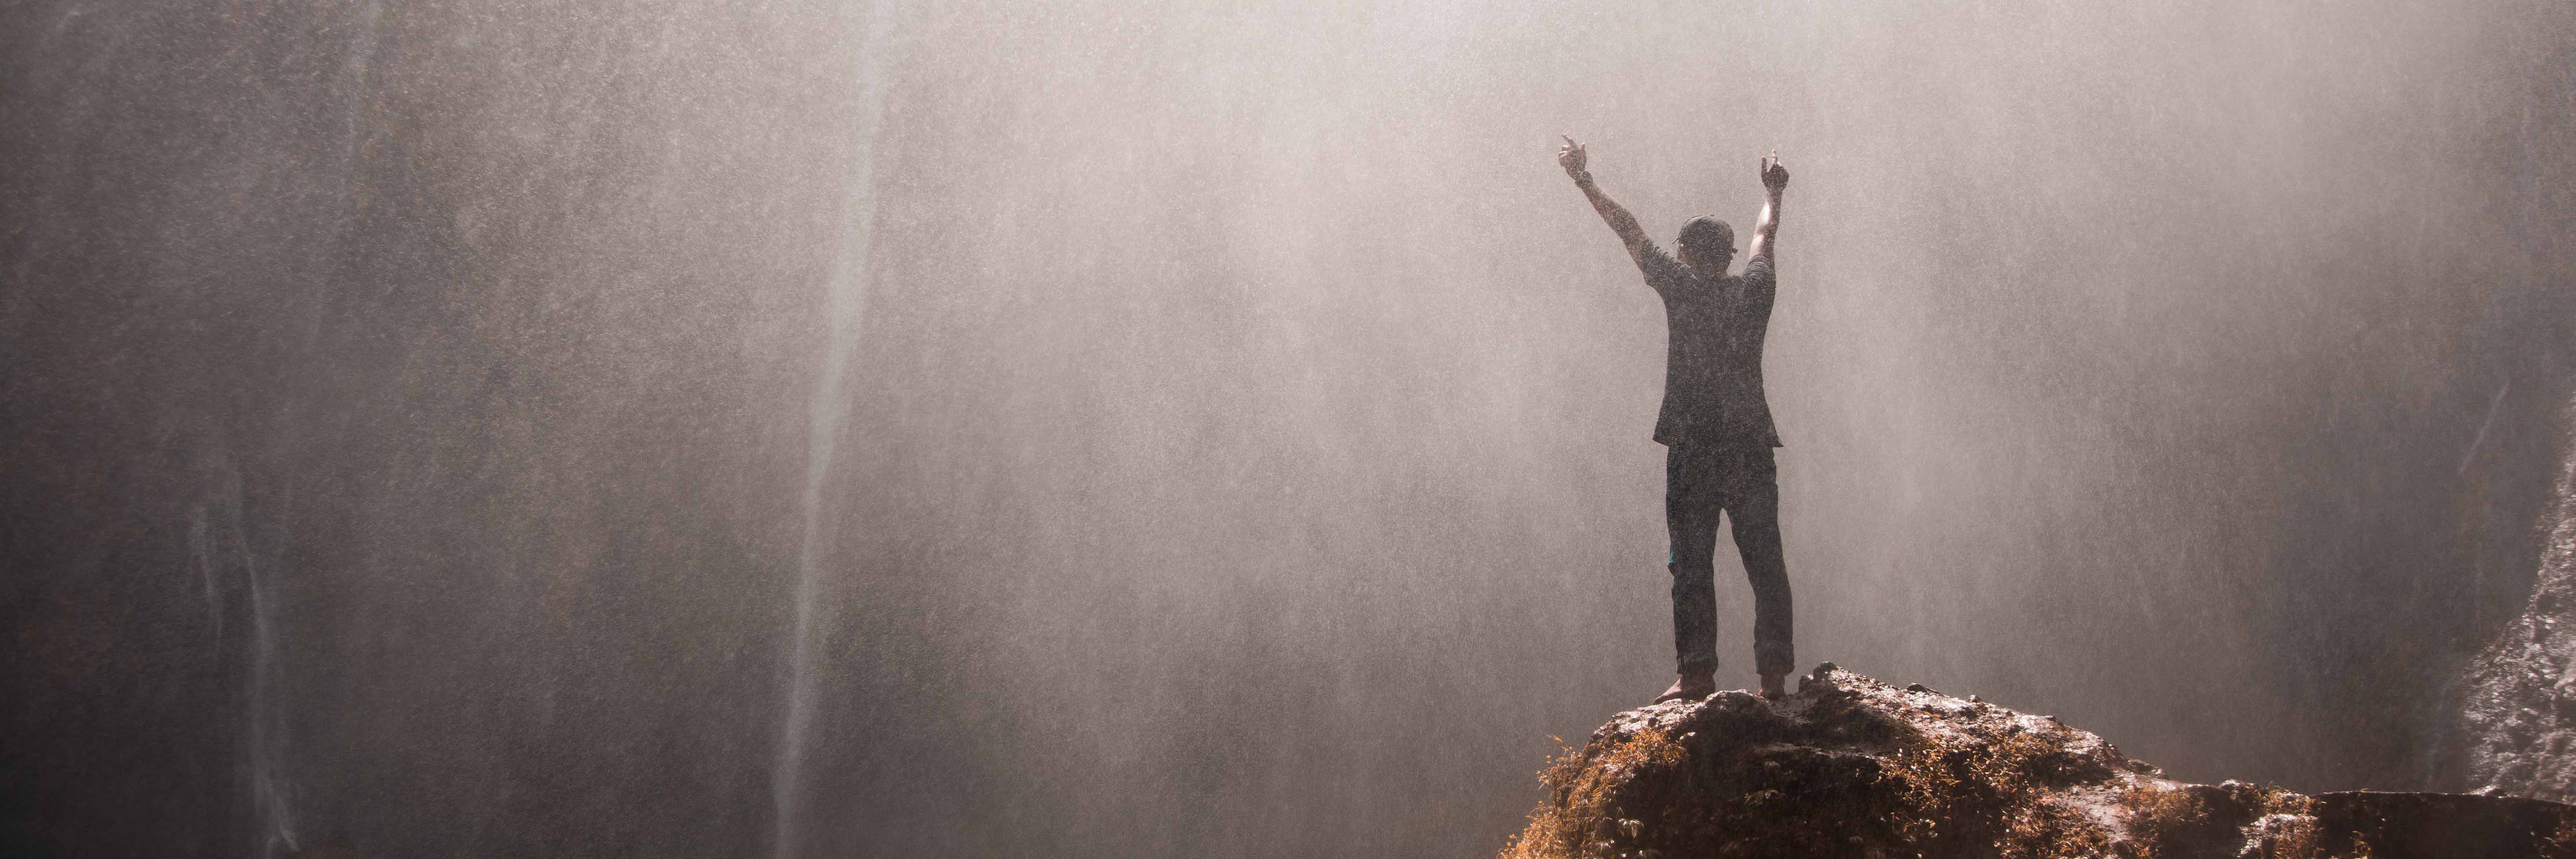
x: 1162, y: 429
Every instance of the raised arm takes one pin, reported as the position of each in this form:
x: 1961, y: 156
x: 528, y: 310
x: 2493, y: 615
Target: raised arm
x: 1775, y: 179
x: 1572, y: 158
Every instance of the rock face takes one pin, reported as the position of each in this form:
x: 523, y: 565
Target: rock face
x: 1852, y: 767
x: 2516, y: 731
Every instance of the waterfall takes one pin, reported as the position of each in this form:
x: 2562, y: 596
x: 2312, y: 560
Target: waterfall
x: 845, y: 301
x: 219, y: 546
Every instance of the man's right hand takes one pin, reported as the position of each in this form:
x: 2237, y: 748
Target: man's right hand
x: 1571, y: 157
x: 1774, y: 176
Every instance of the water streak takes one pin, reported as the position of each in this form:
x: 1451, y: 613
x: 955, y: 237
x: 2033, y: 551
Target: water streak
x: 845, y: 294
x: 220, y: 545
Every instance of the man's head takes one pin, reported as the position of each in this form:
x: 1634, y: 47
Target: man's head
x: 1707, y: 241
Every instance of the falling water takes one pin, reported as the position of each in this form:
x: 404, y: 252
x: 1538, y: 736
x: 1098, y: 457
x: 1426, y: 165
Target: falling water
x: 220, y: 548
x: 845, y: 291
x: 268, y: 792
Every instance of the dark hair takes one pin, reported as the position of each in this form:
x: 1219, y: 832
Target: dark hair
x: 1705, y: 236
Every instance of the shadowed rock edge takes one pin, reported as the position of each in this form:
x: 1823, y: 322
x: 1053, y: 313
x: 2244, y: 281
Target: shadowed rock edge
x: 1852, y: 767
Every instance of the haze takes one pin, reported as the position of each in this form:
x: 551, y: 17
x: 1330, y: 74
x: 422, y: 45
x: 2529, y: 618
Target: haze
x: 1172, y: 429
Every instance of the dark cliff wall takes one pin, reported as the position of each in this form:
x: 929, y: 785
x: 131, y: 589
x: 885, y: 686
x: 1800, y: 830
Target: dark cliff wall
x: 2515, y: 726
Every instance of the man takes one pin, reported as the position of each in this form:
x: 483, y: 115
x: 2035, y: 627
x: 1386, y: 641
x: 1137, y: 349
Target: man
x: 1715, y: 425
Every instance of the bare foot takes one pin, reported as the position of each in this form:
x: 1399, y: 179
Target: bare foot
x: 1690, y: 687
x: 1771, y: 687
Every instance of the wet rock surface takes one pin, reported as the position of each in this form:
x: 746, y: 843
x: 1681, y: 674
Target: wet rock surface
x: 1852, y: 767
x: 2516, y: 727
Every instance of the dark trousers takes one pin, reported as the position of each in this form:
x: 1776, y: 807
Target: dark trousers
x: 1741, y: 481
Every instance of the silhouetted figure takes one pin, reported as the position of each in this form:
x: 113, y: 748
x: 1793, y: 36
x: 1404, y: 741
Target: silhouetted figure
x: 1715, y: 425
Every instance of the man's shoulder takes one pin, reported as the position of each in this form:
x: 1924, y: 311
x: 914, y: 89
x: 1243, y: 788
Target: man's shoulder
x: 1757, y: 273
x: 1660, y: 269
x: 1650, y: 253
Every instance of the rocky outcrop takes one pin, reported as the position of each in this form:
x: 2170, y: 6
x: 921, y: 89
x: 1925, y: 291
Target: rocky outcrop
x: 2516, y: 727
x: 1852, y: 767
